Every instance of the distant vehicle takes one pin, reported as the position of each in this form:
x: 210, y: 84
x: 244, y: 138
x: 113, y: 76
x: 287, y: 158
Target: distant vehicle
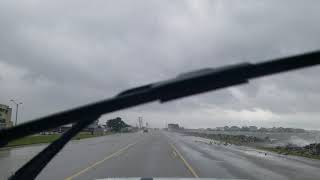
x: 145, y: 130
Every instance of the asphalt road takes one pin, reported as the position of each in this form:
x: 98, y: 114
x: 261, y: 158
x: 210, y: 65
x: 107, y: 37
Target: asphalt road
x: 161, y: 154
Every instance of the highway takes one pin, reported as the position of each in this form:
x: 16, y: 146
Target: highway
x: 160, y: 154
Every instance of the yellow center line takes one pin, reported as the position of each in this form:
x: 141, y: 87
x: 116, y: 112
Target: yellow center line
x: 189, y: 167
x: 120, y: 151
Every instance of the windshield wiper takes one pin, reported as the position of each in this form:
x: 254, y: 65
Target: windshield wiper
x: 183, y: 85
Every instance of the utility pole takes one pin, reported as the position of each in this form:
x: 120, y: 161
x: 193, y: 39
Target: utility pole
x: 17, y: 109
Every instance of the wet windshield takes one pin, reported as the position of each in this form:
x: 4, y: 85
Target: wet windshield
x: 59, y: 56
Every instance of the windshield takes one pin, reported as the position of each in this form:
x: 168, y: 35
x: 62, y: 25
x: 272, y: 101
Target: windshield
x: 61, y: 55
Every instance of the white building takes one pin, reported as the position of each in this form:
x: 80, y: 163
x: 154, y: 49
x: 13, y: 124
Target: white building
x: 5, y: 116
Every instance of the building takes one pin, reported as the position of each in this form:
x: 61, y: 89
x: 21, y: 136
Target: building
x: 262, y: 129
x: 5, y: 116
x: 173, y: 126
x: 98, y: 130
x: 220, y: 128
x: 253, y: 128
x: 65, y: 128
x: 94, y: 124
x: 61, y: 129
x: 91, y: 127
x: 234, y: 128
x: 226, y: 128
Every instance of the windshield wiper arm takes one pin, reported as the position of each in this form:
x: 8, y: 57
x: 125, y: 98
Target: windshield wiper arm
x: 181, y: 86
x: 34, y: 166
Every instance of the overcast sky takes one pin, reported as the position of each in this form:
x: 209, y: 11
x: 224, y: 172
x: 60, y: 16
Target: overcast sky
x: 55, y: 55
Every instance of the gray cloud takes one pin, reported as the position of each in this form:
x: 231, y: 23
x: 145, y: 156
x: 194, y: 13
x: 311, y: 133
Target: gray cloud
x: 58, y: 55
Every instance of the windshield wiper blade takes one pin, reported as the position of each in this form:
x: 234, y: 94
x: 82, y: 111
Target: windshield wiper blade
x: 183, y: 85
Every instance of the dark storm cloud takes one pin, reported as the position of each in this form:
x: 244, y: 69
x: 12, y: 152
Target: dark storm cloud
x: 57, y: 55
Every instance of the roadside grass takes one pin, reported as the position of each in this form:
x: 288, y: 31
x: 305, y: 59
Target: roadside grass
x: 284, y: 151
x: 39, y: 139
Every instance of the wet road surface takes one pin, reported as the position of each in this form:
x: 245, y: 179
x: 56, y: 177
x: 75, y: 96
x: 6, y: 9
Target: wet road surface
x: 160, y: 154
